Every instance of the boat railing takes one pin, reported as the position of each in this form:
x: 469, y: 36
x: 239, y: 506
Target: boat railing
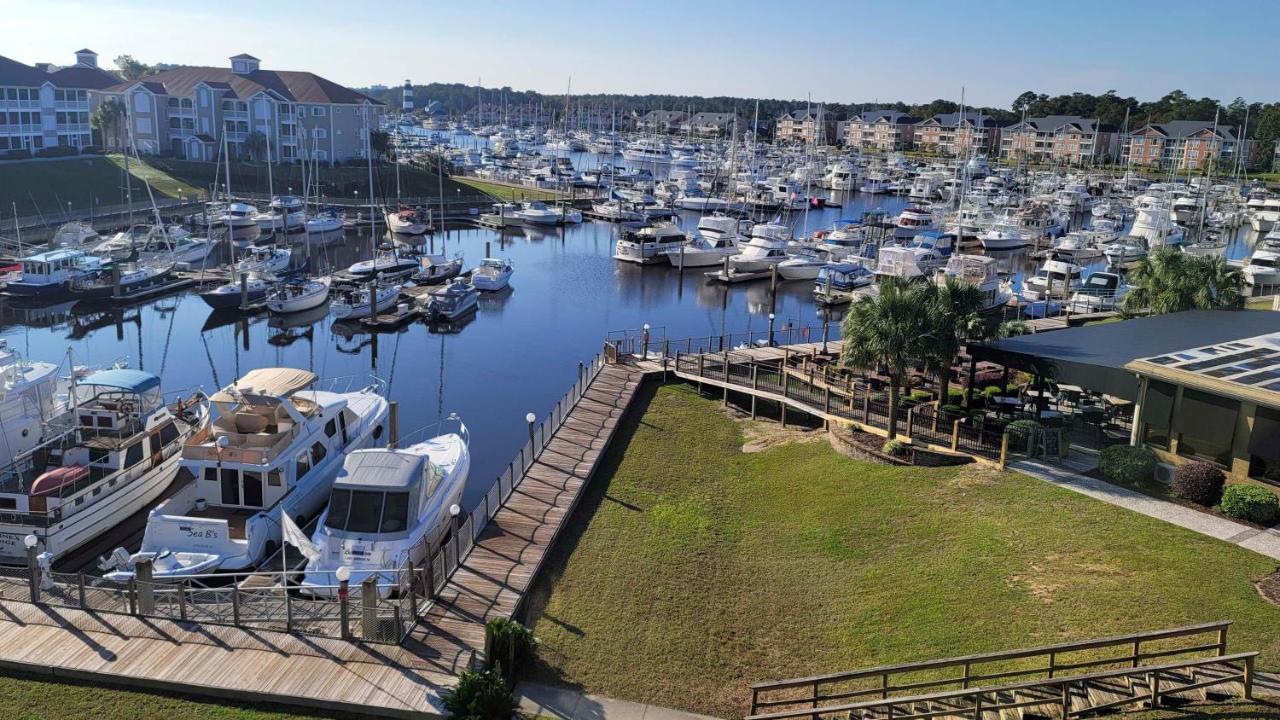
x: 452, y: 423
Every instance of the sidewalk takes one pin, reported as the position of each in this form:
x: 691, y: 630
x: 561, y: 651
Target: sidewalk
x: 1264, y: 542
x: 546, y: 701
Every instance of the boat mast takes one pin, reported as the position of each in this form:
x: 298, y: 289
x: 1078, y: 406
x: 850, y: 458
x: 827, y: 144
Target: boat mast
x: 226, y: 159
x: 368, y: 153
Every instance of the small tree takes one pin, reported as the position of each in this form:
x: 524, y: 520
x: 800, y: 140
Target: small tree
x: 108, y: 121
x: 884, y: 332
x: 955, y: 317
x: 1169, y: 280
x: 131, y: 69
x: 256, y: 145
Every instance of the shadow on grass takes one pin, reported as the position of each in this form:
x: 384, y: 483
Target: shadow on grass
x: 596, y: 492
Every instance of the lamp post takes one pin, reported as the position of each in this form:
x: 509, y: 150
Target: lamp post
x: 645, y: 341
x: 343, y: 573
x: 454, y: 511
x: 530, y: 419
x: 33, y: 569
x: 771, y: 329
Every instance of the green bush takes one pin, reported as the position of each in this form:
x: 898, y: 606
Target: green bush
x: 991, y: 391
x: 1022, y: 430
x: 955, y: 396
x: 895, y: 448
x: 1199, y: 482
x: 482, y: 695
x: 1251, y: 502
x: 509, y: 645
x: 1126, y: 464
x: 953, y: 411
x: 57, y: 151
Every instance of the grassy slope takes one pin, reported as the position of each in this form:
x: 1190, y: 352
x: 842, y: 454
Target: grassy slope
x: 37, y: 699
x: 696, y: 569
x: 506, y: 193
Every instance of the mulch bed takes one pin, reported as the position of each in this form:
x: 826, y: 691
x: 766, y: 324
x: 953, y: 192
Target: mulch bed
x: 1161, y: 491
x: 1269, y: 587
x: 866, y: 446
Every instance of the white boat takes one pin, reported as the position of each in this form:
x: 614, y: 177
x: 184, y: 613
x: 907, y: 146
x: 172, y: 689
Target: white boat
x: 766, y: 248
x: 875, y: 183
x: 388, y: 509
x: 243, y: 290
x: 494, y: 274
x: 1155, y: 224
x: 435, y: 269
x: 34, y: 401
x: 1076, y: 245
x: 285, y: 213
x: 75, y: 234
x: 913, y: 219
x: 1262, y: 267
x: 125, y: 243
x: 1003, y: 236
x: 264, y: 259
x: 389, y: 263
x: 354, y: 302
x: 647, y: 151
x: 1056, y: 278
x: 298, y: 295
x: 981, y: 272
x: 450, y: 302
x: 700, y: 201
x: 238, y: 215
x: 703, y: 251
x: 122, y: 455
x: 900, y: 263
x: 328, y: 220
x: 273, y: 448
x: 836, y: 282
x: 648, y: 244
x: 617, y: 211
x: 50, y: 274
x: 1101, y: 291
x: 537, y: 213
x: 408, y: 221
x: 802, y: 265
x: 1125, y: 251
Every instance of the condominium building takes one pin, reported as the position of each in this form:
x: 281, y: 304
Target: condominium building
x: 711, y: 124
x: 1067, y: 139
x: 806, y: 126
x: 661, y: 121
x: 1185, y: 145
x: 884, y: 130
x: 957, y: 133
x: 43, y: 106
x: 186, y: 112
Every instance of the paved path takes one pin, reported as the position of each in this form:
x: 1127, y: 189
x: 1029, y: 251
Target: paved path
x: 1069, y: 475
x: 567, y: 704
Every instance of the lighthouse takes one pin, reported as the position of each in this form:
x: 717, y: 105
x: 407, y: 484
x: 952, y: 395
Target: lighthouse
x: 407, y: 104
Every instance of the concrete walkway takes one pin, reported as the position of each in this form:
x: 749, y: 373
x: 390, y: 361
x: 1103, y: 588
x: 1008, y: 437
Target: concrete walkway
x: 1069, y: 475
x: 546, y: 701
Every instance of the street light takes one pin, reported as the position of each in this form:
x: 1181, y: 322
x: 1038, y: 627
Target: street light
x: 645, y: 340
x: 770, y: 329
x: 343, y: 573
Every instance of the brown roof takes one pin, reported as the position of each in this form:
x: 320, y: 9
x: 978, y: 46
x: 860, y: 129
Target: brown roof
x: 295, y: 86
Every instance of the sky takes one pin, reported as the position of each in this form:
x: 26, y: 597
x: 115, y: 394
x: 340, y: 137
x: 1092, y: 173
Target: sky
x: 833, y: 51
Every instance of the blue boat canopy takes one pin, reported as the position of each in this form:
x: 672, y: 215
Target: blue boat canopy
x: 135, y: 381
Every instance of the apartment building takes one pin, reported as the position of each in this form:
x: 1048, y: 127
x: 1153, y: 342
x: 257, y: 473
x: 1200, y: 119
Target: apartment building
x: 1069, y: 139
x: 712, y: 125
x: 956, y: 134
x: 1185, y: 145
x: 185, y: 112
x: 806, y: 126
x: 884, y: 130
x: 661, y: 121
x: 43, y: 106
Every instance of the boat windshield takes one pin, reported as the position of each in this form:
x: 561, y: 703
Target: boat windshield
x: 367, y: 511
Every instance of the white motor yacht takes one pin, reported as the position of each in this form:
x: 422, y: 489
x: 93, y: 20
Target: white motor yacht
x: 286, y: 213
x: 649, y: 244
x: 981, y: 272
x: 408, y: 221
x: 75, y: 234
x: 238, y: 215
x: 1101, y: 291
x: 273, y: 448
x: 803, y: 265
x: 450, y: 302
x: 1056, y: 278
x: 389, y: 263
x: 1125, y: 251
x: 355, y: 302
x: 389, y: 509
x: 493, y: 274
x: 34, y: 401
x: 264, y: 259
x: 766, y: 248
x: 1262, y: 267
x: 913, y: 219
x: 1003, y: 236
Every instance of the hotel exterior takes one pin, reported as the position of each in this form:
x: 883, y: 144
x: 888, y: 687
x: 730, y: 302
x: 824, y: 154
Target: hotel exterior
x: 185, y: 112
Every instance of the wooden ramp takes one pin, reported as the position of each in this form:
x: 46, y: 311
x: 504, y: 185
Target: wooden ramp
x: 248, y: 664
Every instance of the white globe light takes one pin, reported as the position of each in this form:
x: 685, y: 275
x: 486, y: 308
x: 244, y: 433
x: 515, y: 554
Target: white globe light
x: 343, y: 573
x: 30, y: 541
x: 530, y: 418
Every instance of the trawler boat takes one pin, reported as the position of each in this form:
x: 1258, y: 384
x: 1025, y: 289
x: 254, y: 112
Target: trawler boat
x: 238, y: 215
x: 1155, y: 225
x: 1004, y: 236
x: 50, y: 274
x: 837, y: 282
x: 272, y: 449
x: 33, y: 401
x: 1125, y: 251
x: 286, y: 213
x: 703, y: 251
x: 981, y: 272
x: 766, y: 248
x: 388, y: 263
x: 1056, y: 278
x: 408, y: 221
x: 1101, y: 291
x: 262, y: 259
x: 355, y: 302
x: 389, y: 508
x: 122, y: 454
x: 243, y: 290
x: 802, y: 265
x: 912, y: 219
x: 875, y: 183
x: 122, y: 282
x: 1262, y: 267
x: 931, y: 248
x: 451, y: 301
x: 900, y: 263
x: 494, y: 274
x: 75, y: 234
x: 294, y: 296
x: 649, y: 244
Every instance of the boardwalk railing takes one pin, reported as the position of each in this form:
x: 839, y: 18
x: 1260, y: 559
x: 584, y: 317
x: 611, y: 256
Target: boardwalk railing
x: 632, y: 342
x: 971, y: 677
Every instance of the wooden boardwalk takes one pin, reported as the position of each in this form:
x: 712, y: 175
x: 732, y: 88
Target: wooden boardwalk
x: 254, y: 665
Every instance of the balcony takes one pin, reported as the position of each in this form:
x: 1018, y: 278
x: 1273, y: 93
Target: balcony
x: 82, y: 105
x: 73, y: 127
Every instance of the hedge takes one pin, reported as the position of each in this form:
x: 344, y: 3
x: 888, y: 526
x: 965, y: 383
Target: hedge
x: 1251, y: 502
x: 1126, y: 464
x: 1199, y: 482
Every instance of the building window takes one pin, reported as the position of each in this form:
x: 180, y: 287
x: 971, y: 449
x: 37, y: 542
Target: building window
x: 1206, y: 426
x: 1264, y: 446
x: 1156, y: 411
x: 317, y: 111
x: 321, y: 133
x: 144, y: 126
x: 141, y: 102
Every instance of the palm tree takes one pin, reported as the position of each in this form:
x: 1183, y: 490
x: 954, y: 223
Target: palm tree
x: 256, y: 145
x: 108, y: 120
x: 884, y: 332
x: 1169, y: 280
x: 955, y: 317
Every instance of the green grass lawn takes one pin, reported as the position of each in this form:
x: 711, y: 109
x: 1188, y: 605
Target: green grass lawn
x: 30, y: 698
x: 693, y: 569
x: 1225, y: 711
x: 505, y: 193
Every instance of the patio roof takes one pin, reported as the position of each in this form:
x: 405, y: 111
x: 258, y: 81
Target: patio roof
x: 1094, y: 357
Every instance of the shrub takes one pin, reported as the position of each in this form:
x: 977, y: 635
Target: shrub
x: 1199, y: 482
x: 91, y: 150
x: 953, y: 411
x: 955, y: 396
x: 1251, y: 502
x: 480, y: 695
x: 1126, y: 464
x: 919, y: 396
x: 57, y: 151
x: 894, y: 448
x: 1021, y: 431
x: 19, y: 154
x: 509, y: 645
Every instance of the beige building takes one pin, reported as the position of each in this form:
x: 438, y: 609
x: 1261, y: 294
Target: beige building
x: 186, y: 112
x: 1062, y: 138
x: 712, y: 125
x: 1185, y: 145
x: 955, y: 134
x: 884, y: 130
x: 43, y: 106
x: 806, y: 127
x: 661, y: 121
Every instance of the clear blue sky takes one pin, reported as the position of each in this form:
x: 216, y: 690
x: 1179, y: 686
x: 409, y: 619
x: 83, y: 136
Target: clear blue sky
x: 837, y: 50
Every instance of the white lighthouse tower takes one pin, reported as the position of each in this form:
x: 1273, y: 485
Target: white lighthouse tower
x: 406, y: 105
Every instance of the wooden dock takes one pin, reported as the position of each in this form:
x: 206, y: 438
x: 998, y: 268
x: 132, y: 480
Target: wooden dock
x: 405, y: 680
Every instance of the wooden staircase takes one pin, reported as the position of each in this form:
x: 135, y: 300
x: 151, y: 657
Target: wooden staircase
x: 1055, y: 682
